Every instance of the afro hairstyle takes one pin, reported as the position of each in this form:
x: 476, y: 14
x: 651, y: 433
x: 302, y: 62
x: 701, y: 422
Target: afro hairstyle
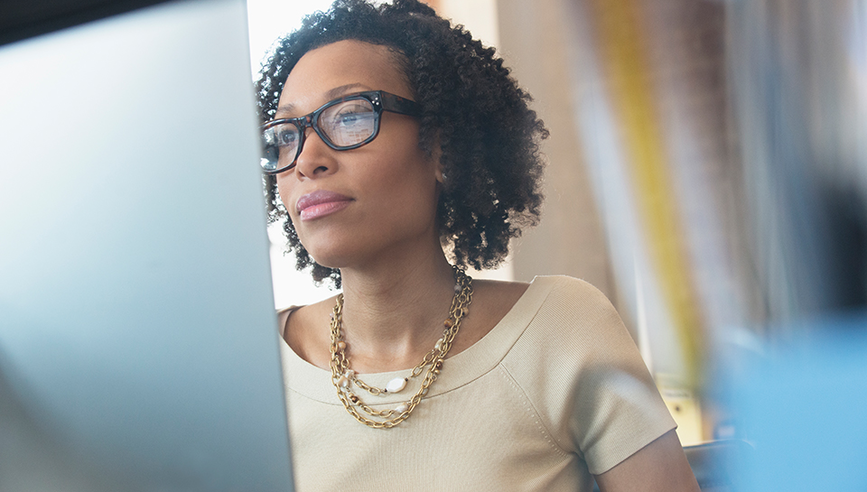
x: 472, y: 109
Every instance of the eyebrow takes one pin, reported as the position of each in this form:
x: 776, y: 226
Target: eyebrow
x: 329, y: 95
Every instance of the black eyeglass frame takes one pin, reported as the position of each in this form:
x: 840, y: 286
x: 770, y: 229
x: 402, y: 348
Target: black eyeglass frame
x: 380, y: 100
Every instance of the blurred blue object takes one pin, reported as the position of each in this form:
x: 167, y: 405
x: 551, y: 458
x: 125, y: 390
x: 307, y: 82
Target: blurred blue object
x: 802, y: 406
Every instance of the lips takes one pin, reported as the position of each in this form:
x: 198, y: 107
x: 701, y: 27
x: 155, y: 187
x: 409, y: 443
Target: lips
x: 320, y: 203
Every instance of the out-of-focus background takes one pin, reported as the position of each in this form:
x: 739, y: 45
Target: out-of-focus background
x: 708, y: 172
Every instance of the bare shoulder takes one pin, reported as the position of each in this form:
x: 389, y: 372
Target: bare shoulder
x: 497, y: 294
x: 306, y: 330
x: 297, y: 317
x: 492, y: 300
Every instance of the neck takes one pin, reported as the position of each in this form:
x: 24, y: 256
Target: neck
x: 392, y: 316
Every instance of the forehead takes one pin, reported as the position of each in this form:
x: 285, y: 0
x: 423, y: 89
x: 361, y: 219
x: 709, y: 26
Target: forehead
x: 352, y: 65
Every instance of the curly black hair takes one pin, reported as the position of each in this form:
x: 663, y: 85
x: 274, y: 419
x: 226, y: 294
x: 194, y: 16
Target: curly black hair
x: 471, y: 108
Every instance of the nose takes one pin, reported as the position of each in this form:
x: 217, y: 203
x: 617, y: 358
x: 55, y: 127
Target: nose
x: 316, y: 158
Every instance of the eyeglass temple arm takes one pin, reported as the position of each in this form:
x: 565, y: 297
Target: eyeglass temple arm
x: 397, y: 104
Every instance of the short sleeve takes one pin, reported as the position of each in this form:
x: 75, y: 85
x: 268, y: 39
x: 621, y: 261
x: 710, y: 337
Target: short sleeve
x: 616, y: 408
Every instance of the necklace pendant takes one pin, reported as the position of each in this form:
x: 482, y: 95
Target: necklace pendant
x: 439, y: 345
x: 396, y: 385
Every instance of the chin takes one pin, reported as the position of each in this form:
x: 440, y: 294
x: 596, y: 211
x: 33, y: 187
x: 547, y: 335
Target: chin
x: 328, y: 250
x: 328, y: 258
x: 327, y: 264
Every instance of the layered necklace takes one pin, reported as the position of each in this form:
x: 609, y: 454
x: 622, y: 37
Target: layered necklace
x: 346, y: 380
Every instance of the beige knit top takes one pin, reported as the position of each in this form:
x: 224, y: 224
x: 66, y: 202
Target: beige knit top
x: 555, y: 392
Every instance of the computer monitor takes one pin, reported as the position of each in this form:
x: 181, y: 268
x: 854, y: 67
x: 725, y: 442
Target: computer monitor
x: 138, y: 340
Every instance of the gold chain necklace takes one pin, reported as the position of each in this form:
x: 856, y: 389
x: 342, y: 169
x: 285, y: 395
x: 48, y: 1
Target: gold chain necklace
x: 343, y: 377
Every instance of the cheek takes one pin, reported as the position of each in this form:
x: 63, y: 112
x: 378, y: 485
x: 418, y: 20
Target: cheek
x: 284, y: 192
x: 411, y: 192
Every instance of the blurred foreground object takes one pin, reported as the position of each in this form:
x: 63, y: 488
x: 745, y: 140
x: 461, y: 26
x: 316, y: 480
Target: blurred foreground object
x: 138, y: 341
x: 801, y: 405
x: 797, y: 386
x: 799, y: 75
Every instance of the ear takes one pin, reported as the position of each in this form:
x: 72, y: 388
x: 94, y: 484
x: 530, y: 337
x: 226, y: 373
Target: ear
x: 436, y: 159
x: 438, y: 171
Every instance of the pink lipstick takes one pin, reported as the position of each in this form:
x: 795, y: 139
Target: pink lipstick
x: 320, y: 203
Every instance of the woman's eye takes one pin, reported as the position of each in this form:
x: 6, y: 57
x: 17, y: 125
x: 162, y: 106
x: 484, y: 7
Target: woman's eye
x: 288, y: 137
x: 353, y: 115
x: 348, y: 118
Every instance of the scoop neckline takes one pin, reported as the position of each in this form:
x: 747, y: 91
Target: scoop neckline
x: 460, y: 369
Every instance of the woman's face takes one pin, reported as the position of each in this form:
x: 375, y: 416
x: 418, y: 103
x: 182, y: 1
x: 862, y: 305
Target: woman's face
x: 363, y: 205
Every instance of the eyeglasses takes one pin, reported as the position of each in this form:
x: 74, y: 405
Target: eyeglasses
x: 343, y: 124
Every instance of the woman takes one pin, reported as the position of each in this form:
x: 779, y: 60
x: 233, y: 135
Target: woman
x: 389, y: 136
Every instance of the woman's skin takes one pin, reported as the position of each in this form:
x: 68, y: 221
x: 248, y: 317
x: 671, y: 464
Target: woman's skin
x: 377, y: 224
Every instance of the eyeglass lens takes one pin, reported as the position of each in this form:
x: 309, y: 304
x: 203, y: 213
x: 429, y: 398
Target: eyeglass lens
x: 343, y: 125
